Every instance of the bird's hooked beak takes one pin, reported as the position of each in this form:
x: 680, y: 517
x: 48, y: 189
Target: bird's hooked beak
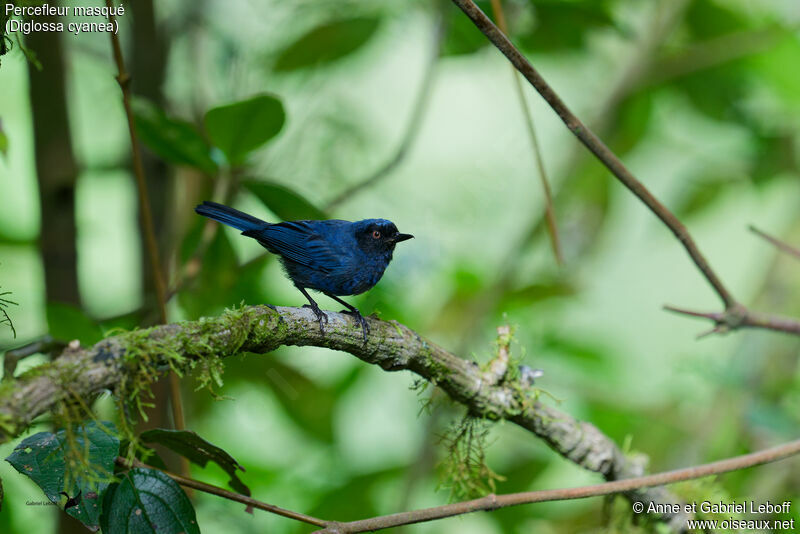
x: 401, y: 237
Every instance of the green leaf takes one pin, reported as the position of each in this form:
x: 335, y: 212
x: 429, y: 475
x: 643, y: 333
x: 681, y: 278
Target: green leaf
x: 66, y: 322
x: 633, y: 120
x: 327, y: 43
x: 147, y: 502
x: 209, y: 293
x: 199, y: 451
x: 239, y: 128
x: 564, y: 24
x: 44, y: 457
x: 3, y: 141
x: 462, y: 36
x: 699, y: 195
x: 283, y: 202
x: 173, y: 140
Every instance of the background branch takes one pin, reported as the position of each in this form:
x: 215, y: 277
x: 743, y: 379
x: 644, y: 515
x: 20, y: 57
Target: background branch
x: 550, y: 216
x: 493, y: 502
x: 148, y: 229
x: 413, y: 127
x: 226, y: 494
x: 261, y: 329
x: 780, y: 245
x: 735, y: 315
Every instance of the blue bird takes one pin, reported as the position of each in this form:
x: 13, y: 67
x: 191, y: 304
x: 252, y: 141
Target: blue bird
x: 333, y: 257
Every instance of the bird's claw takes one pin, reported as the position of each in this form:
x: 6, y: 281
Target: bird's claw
x: 361, y: 320
x: 321, y: 317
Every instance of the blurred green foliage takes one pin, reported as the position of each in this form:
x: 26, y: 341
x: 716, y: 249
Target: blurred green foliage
x: 702, y: 100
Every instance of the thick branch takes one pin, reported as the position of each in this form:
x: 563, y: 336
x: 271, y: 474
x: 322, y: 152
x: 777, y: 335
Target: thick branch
x: 260, y: 329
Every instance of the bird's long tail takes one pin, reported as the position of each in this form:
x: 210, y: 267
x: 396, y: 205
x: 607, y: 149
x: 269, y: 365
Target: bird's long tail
x: 229, y: 216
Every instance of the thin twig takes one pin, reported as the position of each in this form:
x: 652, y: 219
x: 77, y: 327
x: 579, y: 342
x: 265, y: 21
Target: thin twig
x: 226, y: 494
x: 413, y: 127
x: 780, y: 245
x: 741, y: 317
x: 493, y: 502
x: 6, y: 319
x: 594, y: 144
x: 550, y: 216
x: 124, y: 80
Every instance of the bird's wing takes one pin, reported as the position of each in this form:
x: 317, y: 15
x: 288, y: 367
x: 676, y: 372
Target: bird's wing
x: 299, y: 242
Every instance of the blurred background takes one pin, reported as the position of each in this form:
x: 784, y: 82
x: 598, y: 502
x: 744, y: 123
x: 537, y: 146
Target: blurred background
x: 402, y: 110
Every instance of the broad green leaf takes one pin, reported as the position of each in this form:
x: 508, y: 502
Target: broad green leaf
x: 283, y: 202
x: 174, y: 140
x: 564, y: 25
x: 209, y: 292
x: 462, y: 36
x: 708, y: 18
x: 239, y: 128
x: 43, y: 457
x: 147, y: 502
x: 775, y: 154
x: 633, y: 121
x: 66, y: 322
x: 197, y: 450
x: 327, y: 43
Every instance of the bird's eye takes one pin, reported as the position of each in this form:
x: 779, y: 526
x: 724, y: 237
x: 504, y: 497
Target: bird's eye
x: 376, y: 234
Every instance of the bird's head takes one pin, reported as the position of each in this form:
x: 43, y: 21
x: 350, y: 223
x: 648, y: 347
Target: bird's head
x: 378, y: 235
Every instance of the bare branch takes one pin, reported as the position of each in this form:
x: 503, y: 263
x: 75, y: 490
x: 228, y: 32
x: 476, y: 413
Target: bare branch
x: 493, y: 502
x: 780, y: 245
x: 740, y: 317
x: 414, y: 124
x: 595, y: 145
x: 124, y: 80
x: 550, y: 216
x: 261, y: 329
x: 735, y: 315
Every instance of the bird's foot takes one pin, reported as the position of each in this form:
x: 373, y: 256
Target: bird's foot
x: 362, y: 321
x: 321, y: 317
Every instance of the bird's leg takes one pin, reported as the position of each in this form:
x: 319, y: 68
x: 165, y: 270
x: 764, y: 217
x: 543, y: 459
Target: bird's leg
x: 315, y: 308
x: 352, y: 310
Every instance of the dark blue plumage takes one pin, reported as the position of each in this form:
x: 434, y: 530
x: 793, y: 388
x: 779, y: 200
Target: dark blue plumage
x: 334, y: 257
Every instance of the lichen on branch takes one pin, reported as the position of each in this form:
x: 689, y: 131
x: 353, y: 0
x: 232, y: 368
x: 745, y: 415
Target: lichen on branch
x: 130, y: 360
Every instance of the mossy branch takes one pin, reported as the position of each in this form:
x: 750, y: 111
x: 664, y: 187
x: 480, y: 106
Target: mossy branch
x: 119, y: 359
